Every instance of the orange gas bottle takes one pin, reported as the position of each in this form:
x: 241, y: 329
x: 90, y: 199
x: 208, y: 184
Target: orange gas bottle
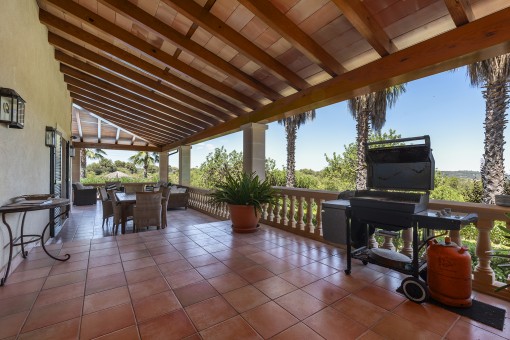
x: 449, y: 273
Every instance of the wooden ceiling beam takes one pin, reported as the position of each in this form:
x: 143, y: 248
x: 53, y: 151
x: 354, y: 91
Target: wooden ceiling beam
x: 124, y: 123
x: 359, y: 17
x: 75, y: 77
x: 124, y: 56
x: 478, y: 40
x: 229, y: 36
x: 150, y: 127
x: 82, y: 145
x: 117, y: 135
x: 151, y: 51
x: 460, y: 11
x: 75, y: 92
x: 80, y: 51
x: 170, y: 34
x: 278, y: 21
x: 190, y: 116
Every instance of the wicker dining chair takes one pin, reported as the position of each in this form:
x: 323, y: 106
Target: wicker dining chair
x: 165, y: 192
x: 106, y: 204
x: 117, y: 212
x: 147, y: 210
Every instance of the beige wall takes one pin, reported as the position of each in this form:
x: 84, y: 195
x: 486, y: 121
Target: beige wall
x: 27, y: 65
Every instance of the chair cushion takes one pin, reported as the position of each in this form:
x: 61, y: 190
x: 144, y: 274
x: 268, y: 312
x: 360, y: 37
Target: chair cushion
x: 79, y: 186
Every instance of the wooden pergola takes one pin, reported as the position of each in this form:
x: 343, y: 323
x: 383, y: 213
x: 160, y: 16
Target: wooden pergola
x: 158, y: 74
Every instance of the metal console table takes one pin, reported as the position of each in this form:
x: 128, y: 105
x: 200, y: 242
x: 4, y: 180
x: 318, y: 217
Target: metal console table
x: 24, y: 206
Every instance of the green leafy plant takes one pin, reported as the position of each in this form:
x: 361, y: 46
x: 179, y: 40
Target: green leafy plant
x: 502, y: 255
x: 243, y: 189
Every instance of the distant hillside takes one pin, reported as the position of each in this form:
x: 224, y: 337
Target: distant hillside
x: 469, y: 174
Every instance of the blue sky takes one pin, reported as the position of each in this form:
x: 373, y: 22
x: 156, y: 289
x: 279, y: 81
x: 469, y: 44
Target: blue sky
x: 443, y: 106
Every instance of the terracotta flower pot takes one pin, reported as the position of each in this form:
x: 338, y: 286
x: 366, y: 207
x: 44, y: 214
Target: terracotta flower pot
x: 243, y: 218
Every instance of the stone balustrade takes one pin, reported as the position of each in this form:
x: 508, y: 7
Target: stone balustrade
x: 298, y: 211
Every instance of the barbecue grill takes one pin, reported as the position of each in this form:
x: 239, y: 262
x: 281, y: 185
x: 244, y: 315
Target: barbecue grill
x: 400, y: 174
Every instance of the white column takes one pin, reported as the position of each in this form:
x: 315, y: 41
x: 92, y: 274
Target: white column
x: 184, y: 165
x: 254, y: 148
x: 76, y: 166
x: 163, y: 166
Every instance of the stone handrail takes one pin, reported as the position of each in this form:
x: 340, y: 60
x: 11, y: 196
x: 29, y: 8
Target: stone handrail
x: 298, y: 211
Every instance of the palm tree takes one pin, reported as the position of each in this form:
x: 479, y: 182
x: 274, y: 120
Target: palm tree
x: 369, y: 110
x: 145, y: 159
x: 92, y: 154
x: 493, y: 75
x: 291, y: 125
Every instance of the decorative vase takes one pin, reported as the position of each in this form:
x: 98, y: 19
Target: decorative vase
x: 244, y: 219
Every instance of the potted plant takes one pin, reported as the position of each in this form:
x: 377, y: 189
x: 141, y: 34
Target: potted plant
x: 245, y: 194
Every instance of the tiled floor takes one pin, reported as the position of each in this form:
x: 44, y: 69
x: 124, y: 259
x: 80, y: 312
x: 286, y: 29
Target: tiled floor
x: 196, y: 279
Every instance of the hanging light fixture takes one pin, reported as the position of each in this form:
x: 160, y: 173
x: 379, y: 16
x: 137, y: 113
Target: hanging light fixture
x: 12, y: 108
x: 51, y: 136
x: 72, y: 151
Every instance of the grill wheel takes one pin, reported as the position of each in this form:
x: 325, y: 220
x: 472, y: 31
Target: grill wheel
x: 415, y: 289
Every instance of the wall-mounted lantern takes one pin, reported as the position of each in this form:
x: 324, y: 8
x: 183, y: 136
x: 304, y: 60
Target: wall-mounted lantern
x: 12, y: 108
x: 72, y: 151
x: 51, y: 136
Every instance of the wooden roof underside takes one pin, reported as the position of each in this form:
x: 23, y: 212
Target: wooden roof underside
x: 162, y: 73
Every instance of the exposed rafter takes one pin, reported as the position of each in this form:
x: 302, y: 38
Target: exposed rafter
x: 275, y: 19
x: 365, y: 24
x: 99, y: 130
x: 78, y: 122
x: 196, y: 13
x: 132, y: 147
x: 460, y: 11
x: 117, y: 135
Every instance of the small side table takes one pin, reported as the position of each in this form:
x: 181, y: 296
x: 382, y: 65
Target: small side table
x: 25, y: 206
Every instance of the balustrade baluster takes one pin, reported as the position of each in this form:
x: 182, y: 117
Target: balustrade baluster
x: 309, y: 214
x: 407, y: 238
x: 372, y: 242
x: 301, y: 223
x: 277, y: 212
x: 318, y: 228
x: 455, y: 237
x: 292, y: 218
x: 284, y: 211
x: 388, y: 243
x: 483, y: 272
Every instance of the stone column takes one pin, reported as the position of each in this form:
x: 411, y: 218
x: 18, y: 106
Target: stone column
x: 184, y: 165
x: 75, y: 166
x: 254, y: 148
x: 163, y: 166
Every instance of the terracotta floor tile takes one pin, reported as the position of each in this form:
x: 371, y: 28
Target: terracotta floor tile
x: 66, y: 267
x: 298, y: 260
x: 9, y: 290
x: 331, y: 324
x: 192, y: 252
x: 336, y: 262
x: 64, y: 330
x: 319, y: 269
x: 298, y: 332
x: 184, y: 278
x: 369, y: 335
x: 103, y: 260
x: 227, y: 282
x: 17, y: 304
x: 239, y: 263
x: 34, y: 264
x: 245, y: 298
x: 103, y: 245
x: 247, y: 249
x: 227, y: 254
x: 106, y: 321
x: 278, y: 266
x: 10, y: 325
x: 280, y: 252
x: 52, y: 314
x: 392, y: 326
x: 366, y: 274
x: 138, y: 263
x: 142, y: 274
x: 128, y: 333
x: 388, y: 282
x: 269, y: 319
x: 380, y: 297
x: 235, y: 328
x: 147, y: 288
x: 104, y: 252
x: 175, y: 325
x: 164, y: 249
x: 57, y: 294
x: 106, y: 270
x: 360, y: 310
x: 155, y: 305
x: 104, y: 283
x: 427, y: 316
x: 202, y: 260
x: 194, y: 293
x: 299, y: 277
x: 174, y: 267
x: 209, y: 312
x: 504, y: 332
x: 274, y: 287
x: 255, y: 274
x: 131, y: 247
x: 28, y: 275
x: 261, y: 257
x: 134, y: 255
x: 65, y: 279
x: 346, y: 282
x: 105, y: 299
x: 300, y: 304
x: 325, y: 291
x: 212, y: 270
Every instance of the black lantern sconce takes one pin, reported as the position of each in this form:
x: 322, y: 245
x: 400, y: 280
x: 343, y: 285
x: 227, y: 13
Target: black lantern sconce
x: 12, y: 108
x: 72, y: 151
x: 51, y: 136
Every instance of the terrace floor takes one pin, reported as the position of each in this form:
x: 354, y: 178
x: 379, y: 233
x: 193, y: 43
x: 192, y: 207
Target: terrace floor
x: 195, y: 279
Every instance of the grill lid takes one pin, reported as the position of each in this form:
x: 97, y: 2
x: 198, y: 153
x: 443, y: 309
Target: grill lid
x: 395, y: 165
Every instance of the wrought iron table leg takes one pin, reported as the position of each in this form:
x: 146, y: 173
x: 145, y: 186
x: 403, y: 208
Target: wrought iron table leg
x: 67, y: 256
x: 2, y: 281
x: 22, y: 244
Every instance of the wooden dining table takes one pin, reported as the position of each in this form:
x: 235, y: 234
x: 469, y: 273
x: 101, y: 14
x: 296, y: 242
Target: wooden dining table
x: 125, y: 200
